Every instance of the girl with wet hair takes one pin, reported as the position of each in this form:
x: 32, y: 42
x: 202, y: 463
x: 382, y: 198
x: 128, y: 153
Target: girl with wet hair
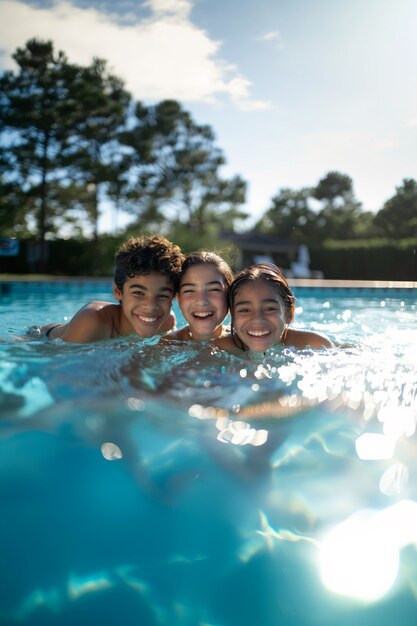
x: 262, y: 308
x: 202, y: 296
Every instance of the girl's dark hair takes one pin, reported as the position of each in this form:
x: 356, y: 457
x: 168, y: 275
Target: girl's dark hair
x: 143, y: 255
x: 202, y: 258
x: 271, y: 274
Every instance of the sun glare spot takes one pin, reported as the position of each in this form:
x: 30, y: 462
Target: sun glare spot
x: 358, y: 562
x: 360, y: 557
x: 397, y: 420
x: 374, y: 446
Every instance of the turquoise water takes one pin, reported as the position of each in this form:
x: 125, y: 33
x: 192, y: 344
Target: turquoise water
x: 167, y: 485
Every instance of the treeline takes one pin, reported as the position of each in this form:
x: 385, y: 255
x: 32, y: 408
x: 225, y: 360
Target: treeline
x: 361, y: 259
x: 330, y: 211
x: 73, y: 142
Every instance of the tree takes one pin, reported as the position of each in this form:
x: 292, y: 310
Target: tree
x: 99, y: 162
x: 290, y: 216
x: 341, y: 211
x: 12, y: 210
x: 398, y: 217
x: 36, y: 115
x: 177, y: 179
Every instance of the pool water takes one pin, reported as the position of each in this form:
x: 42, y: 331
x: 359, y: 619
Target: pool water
x: 147, y: 483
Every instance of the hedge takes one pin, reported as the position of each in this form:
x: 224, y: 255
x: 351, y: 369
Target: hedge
x: 374, y: 259
x: 366, y: 259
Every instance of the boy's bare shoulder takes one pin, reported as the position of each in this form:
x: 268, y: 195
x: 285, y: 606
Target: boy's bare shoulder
x: 304, y: 338
x: 95, y: 321
x: 168, y: 326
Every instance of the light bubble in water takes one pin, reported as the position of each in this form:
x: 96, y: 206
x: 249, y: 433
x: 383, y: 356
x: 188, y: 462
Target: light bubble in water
x: 260, y: 437
x: 111, y: 452
x: 94, y: 422
x: 397, y: 420
x: 346, y: 315
x: 196, y: 410
x: 240, y: 433
x: 201, y: 412
x: 394, y: 480
x: 243, y: 373
x: 374, y: 446
x: 222, y: 423
x: 382, y: 303
x: 326, y: 305
x: 135, y: 404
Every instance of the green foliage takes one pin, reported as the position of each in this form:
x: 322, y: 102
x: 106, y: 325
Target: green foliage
x: 67, y: 145
x: 398, y: 217
x: 177, y: 178
x: 310, y: 215
x: 98, y: 161
x: 290, y: 216
x: 372, y: 259
x: 376, y: 259
x: 35, y: 122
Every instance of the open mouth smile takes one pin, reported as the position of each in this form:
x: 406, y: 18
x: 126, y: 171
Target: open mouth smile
x: 258, y: 333
x: 202, y: 315
x: 144, y: 319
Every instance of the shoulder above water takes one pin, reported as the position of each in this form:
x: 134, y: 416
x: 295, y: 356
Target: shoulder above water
x: 307, y: 338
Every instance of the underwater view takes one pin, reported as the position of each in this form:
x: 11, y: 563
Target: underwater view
x: 155, y: 483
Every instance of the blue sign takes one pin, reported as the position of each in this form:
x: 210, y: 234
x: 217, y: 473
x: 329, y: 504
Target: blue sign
x: 9, y: 246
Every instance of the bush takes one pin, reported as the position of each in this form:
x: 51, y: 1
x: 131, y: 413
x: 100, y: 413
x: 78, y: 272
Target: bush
x: 373, y: 259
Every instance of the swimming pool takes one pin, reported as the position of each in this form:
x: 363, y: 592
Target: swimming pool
x: 163, y: 485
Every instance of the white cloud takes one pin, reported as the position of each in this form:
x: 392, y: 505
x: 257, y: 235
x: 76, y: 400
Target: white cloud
x: 412, y: 123
x: 162, y: 56
x: 273, y: 36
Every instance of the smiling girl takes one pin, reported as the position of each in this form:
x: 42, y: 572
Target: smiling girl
x: 202, y: 298
x: 262, y: 309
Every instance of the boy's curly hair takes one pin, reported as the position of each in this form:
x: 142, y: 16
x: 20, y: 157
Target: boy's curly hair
x: 146, y: 254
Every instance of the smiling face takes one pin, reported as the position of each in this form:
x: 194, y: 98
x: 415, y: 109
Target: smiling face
x: 259, y: 317
x: 202, y: 300
x: 146, y: 303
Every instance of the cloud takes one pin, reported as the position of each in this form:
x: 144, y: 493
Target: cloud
x: 161, y: 56
x: 273, y: 36
x: 412, y: 123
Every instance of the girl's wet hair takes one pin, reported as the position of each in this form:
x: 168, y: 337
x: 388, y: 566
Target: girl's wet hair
x: 271, y: 274
x: 202, y: 258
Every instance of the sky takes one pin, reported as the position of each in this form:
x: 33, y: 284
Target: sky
x: 292, y: 88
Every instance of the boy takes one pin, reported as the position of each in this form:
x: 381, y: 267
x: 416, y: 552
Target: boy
x: 146, y: 279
